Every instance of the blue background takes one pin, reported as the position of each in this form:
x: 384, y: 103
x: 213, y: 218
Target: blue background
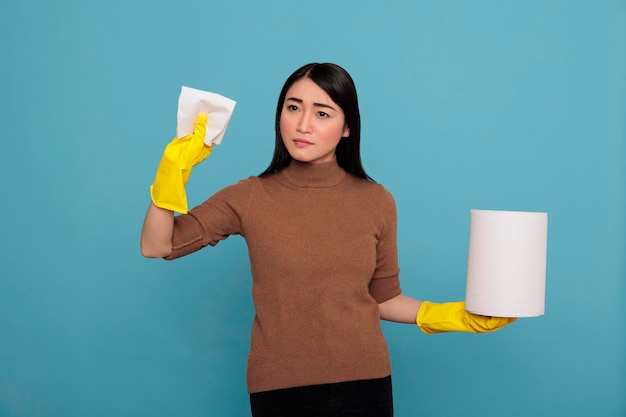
x: 465, y: 105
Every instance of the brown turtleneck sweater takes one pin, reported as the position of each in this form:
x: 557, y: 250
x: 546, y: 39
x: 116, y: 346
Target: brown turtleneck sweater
x: 322, y: 247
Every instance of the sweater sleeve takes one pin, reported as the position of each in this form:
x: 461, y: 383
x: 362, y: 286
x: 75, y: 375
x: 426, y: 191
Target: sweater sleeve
x: 385, y: 283
x: 217, y: 218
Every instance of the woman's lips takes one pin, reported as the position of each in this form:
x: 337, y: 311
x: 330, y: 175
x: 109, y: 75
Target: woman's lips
x: 302, y: 142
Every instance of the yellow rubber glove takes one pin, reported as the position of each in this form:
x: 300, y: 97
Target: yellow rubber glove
x: 168, y: 189
x: 452, y: 317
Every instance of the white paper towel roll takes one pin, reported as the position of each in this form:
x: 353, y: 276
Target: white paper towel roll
x: 506, y: 270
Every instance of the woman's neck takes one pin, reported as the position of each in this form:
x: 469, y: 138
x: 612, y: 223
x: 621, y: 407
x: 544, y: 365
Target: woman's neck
x: 319, y: 175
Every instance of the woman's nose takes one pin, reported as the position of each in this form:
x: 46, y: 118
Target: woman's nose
x: 304, y: 124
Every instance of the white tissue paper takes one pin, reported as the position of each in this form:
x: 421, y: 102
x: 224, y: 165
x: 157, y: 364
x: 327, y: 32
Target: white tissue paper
x: 506, y: 271
x: 218, y: 109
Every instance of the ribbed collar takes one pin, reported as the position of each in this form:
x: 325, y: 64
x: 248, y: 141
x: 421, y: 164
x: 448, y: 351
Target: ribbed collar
x: 306, y: 175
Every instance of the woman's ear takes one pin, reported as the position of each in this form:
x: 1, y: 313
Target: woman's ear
x: 346, y: 132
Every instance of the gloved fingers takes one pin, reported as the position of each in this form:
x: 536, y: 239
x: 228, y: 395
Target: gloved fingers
x: 503, y: 321
x: 452, y: 317
x: 204, y: 154
x: 199, y: 128
x: 200, y: 149
x: 180, y: 155
x: 172, y: 150
x: 192, y: 147
x: 206, y: 151
x: 486, y: 324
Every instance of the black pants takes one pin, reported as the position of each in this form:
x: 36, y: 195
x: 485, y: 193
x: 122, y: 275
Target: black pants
x: 367, y: 398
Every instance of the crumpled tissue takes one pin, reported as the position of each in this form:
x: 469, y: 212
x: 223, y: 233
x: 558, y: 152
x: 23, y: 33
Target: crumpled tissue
x: 219, y: 110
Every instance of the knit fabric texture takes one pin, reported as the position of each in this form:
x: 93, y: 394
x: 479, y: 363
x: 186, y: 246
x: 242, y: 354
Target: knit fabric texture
x: 323, y: 254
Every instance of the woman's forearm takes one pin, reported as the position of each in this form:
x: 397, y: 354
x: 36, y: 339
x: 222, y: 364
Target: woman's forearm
x: 400, y: 309
x: 156, y: 234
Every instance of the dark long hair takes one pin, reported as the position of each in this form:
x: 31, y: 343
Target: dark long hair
x: 339, y: 86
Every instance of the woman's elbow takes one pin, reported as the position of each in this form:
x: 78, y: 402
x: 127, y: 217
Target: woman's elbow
x: 153, y: 251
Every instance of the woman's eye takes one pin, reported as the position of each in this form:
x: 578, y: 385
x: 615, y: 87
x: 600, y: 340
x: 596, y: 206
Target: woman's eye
x: 322, y: 114
x: 292, y: 107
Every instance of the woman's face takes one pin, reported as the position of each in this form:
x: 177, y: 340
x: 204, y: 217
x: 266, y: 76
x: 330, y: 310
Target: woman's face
x: 311, y: 124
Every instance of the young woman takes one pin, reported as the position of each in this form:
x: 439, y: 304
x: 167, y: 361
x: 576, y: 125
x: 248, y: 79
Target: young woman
x: 321, y: 238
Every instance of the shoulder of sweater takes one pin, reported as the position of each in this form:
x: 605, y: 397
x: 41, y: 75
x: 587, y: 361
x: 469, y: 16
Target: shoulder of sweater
x: 244, y: 182
x: 239, y: 188
x: 370, y: 186
x: 376, y: 194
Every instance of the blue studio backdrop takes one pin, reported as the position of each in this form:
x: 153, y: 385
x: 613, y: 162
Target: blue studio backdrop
x: 510, y: 105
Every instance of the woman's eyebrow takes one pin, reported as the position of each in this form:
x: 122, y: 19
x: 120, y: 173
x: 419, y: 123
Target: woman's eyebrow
x: 325, y: 106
